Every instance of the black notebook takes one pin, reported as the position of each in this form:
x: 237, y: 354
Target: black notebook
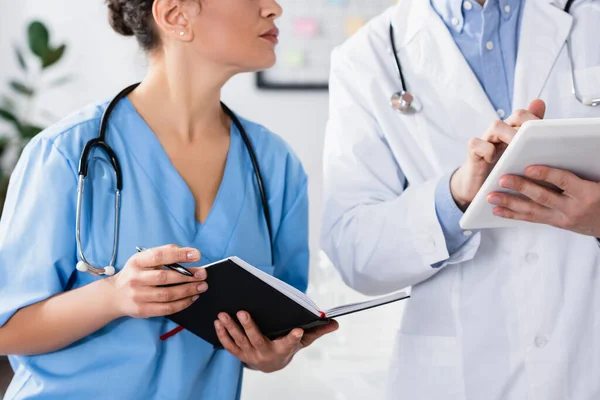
x: 275, y: 306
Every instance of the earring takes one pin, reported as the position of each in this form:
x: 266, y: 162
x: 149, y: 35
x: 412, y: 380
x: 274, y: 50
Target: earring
x: 181, y: 33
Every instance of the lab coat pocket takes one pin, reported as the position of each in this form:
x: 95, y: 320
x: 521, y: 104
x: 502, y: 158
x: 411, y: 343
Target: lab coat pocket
x: 426, y: 367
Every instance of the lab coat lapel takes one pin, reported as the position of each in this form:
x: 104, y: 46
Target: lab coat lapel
x: 544, y: 31
x: 438, y: 61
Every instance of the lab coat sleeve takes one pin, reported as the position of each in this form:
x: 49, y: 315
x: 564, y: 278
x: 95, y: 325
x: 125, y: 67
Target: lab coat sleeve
x: 37, y: 229
x: 380, y: 236
x: 291, y: 240
x: 449, y: 216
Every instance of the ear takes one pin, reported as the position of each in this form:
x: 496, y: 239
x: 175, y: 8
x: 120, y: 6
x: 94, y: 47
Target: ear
x: 172, y: 18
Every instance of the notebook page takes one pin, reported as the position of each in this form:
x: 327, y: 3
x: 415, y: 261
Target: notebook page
x: 350, y: 308
x: 283, y: 287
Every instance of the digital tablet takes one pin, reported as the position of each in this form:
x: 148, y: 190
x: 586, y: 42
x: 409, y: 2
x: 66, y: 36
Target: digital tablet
x: 569, y: 144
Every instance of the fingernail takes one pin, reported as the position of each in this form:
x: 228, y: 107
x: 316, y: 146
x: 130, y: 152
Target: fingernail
x: 195, y: 298
x: 298, y: 334
x: 192, y: 255
x: 499, y: 212
x: 243, y: 317
x: 202, y: 288
x: 218, y: 324
x: 200, y: 274
x: 506, y: 183
x: 495, y: 200
x: 534, y: 173
x: 224, y: 317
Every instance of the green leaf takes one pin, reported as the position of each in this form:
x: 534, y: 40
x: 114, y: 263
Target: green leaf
x: 22, y: 88
x: 61, y: 81
x: 8, y: 103
x: 3, y: 145
x: 29, y: 131
x: 8, y: 116
x: 53, y: 56
x: 39, y: 39
x: 21, y: 59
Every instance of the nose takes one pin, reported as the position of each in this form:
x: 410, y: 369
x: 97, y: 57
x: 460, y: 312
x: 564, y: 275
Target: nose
x: 272, y: 9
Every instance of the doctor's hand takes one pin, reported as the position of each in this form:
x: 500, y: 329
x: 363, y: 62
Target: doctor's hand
x: 257, y: 351
x: 140, y: 291
x: 484, y: 153
x: 574, y: 206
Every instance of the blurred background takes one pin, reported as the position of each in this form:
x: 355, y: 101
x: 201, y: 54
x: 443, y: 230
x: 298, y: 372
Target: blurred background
x: 57, y: 56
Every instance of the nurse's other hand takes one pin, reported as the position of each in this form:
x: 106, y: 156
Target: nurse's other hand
x: 139, y: 288
x: 484, y: 153
x: 576, y: 209
x: 256, y: 350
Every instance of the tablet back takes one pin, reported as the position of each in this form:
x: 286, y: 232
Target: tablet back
x: 569, y: 144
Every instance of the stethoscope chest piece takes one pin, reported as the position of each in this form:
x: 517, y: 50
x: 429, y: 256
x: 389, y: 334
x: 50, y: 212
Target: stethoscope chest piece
x: 402, y: 101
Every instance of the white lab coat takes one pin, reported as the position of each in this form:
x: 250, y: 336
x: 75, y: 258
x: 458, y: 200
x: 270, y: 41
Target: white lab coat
x: 515, y: 314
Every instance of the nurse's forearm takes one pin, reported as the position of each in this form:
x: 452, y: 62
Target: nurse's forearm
x: 59, y: 321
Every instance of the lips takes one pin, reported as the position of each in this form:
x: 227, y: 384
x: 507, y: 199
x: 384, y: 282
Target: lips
x: 272, y: 35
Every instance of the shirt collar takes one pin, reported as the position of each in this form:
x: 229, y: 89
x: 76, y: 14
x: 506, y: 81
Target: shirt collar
x: 452, y: 11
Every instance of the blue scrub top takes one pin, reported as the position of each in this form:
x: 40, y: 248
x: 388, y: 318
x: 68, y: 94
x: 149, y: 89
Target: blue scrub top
x: 38, y: 253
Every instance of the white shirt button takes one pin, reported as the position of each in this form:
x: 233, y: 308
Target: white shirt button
x: 454, y: 21
x: 501, y: 113
x: 532, y: 258
x: 541, y: 341
x: 507, y: 8
x: 468, y: 5
x: 489, y: 45
x: 468, y: 233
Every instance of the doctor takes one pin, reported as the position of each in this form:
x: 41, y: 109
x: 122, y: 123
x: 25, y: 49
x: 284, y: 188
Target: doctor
x: 497, y: 314
x: 188, y: 179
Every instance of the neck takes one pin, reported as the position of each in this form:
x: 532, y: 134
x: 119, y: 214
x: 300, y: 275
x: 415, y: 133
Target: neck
x: 481, y: 2
x: 182, y: 99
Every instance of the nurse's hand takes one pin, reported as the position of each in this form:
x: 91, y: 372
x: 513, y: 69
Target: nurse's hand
x: 139, y: 290
x: 484, y: 153
x: 575, y: 207
x: 256, y: 350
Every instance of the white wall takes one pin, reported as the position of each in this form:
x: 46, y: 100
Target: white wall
x: 348, y: 365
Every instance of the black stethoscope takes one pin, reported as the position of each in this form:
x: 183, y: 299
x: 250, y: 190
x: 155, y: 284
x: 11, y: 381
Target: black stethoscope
x: 402, y: 101
x: 100, y: 143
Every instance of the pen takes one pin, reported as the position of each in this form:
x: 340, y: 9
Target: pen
x: 174, y: 267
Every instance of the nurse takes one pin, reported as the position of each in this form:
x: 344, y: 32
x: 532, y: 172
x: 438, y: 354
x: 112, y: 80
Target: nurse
x: 497, y: 313
x: 188, y: 188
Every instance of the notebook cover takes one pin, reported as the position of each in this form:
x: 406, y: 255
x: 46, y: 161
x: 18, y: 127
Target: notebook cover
x: 231, y: 289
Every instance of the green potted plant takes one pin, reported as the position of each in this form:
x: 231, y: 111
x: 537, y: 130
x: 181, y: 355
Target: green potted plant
x: 17, y: 106
x: 20, y: 116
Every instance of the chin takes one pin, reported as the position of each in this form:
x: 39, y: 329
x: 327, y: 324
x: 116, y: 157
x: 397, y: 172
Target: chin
x: 261, y: 63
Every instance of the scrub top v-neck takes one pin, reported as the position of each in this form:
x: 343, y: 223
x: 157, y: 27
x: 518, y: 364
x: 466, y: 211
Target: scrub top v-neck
x: 127, y: 359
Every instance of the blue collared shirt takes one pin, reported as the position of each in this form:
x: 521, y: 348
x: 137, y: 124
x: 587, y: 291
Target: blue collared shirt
x: 488, y: 38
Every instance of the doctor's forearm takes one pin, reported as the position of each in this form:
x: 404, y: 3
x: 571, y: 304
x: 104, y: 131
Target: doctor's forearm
x: 59, y: 321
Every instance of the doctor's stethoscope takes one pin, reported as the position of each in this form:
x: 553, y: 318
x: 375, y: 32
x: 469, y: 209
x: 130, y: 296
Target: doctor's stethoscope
x: 100, y: 142
x: 402, y: 101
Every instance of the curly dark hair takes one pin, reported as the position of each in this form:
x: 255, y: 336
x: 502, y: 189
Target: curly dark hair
x: 134, y: 18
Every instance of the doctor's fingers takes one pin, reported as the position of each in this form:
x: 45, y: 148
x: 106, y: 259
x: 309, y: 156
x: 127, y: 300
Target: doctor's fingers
x: 257, y: 339
x: 481, y: 149
x: 312, y: 335
x: 236, y: 333
x: 149, y: 310
x: 539, y: 194
x: 159, y: 256
x: 168, y: 294
x: 167, y: 277
x: 499, y: 132
x: 536, y: 111
x: 227, y: 341
x: 513, y: 207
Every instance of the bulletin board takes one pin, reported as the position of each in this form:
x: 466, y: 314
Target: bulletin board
x: 309, y: 31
